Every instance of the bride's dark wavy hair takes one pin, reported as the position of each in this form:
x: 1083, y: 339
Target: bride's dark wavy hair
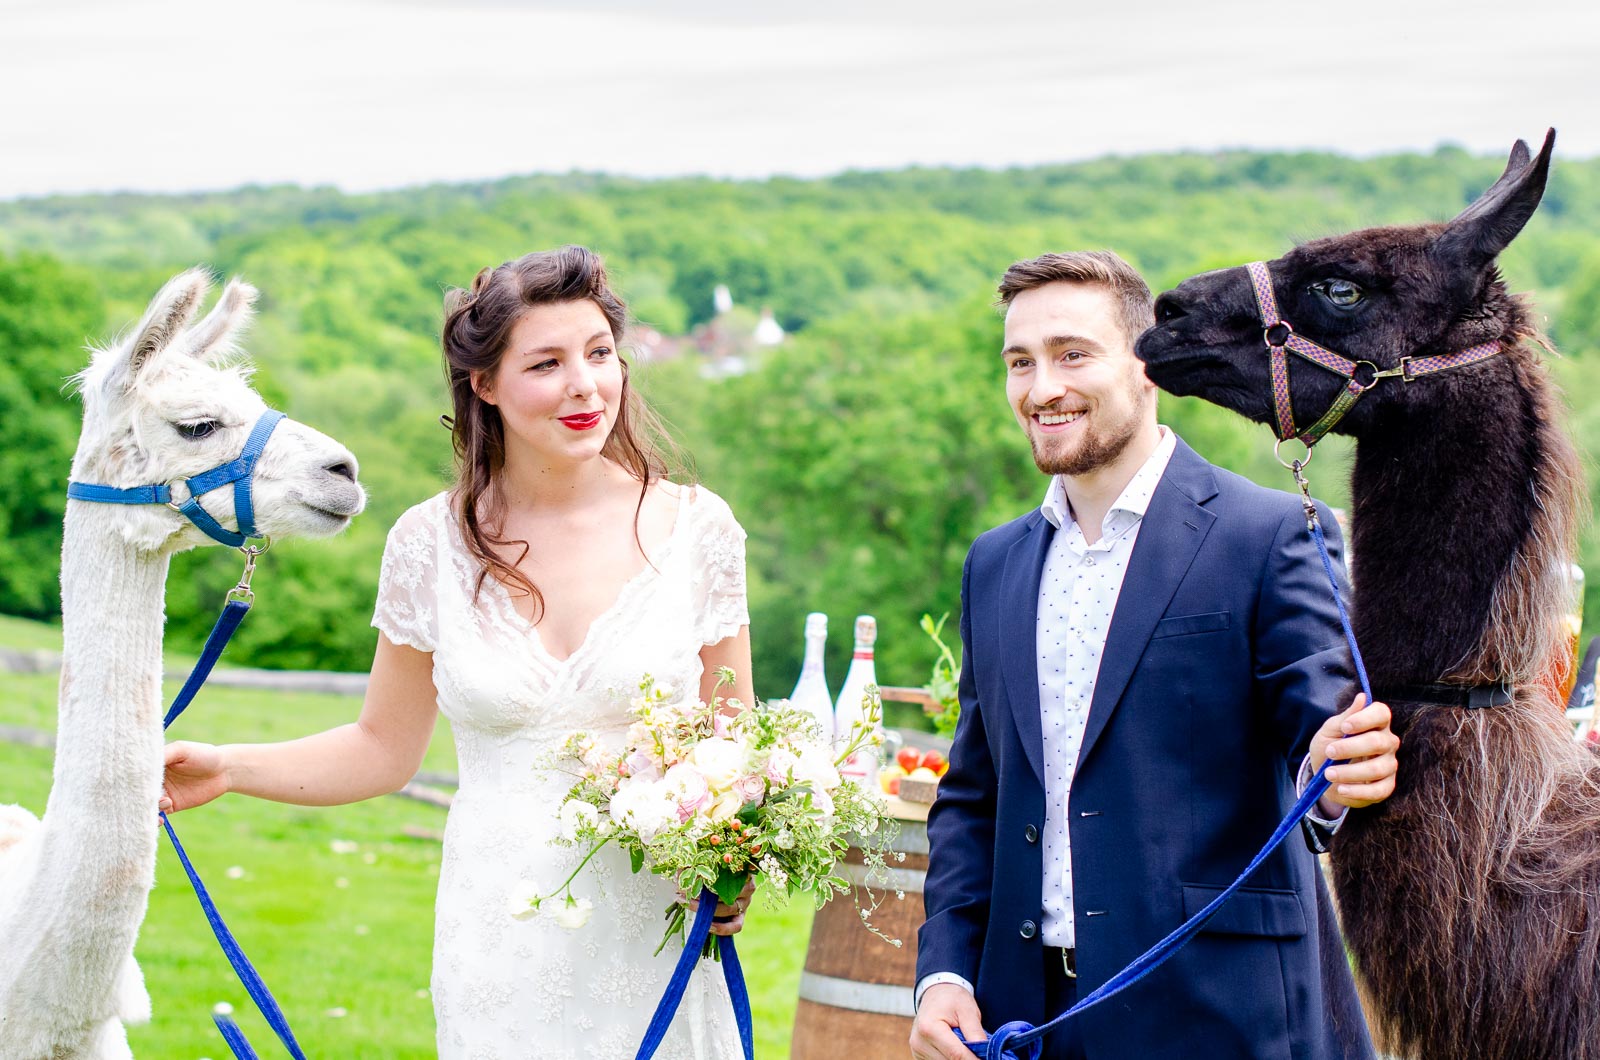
x: 477, y: 330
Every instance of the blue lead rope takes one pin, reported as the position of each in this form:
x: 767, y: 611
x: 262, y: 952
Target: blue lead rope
x: 233, y: 613
x: 1020, y: 1040
x: 234, y: 1036
x: 699, y: 931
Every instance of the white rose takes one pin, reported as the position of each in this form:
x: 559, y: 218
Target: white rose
x: 574, y: 913
x: 645, y: 806
x: 575, y: 816
x: 719, y: 760
x: 727, y: 805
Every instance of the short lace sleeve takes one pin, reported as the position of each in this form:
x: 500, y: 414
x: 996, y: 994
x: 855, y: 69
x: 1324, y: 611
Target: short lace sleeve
x: 407, y: 610
x: 719, y: 568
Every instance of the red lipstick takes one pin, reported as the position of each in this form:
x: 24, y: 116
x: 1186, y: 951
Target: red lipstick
x: 587, y: 421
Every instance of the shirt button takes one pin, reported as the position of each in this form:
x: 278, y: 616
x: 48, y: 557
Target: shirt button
x: 1088, y: 561
x: 1031, y: 834
x: 1029, y: 929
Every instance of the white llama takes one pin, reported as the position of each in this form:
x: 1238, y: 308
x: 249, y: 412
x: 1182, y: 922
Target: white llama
x: 158, y: 408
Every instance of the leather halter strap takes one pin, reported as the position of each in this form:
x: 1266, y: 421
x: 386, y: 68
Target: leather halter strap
x: 1359, y: 376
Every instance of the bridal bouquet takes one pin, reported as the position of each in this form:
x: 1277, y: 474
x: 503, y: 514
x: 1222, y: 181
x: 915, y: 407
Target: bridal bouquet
x: 710, y: 794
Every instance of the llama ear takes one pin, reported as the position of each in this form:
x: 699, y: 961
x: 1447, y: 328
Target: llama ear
x: 169, y: 312
x: 1481, y: 231
x: 212, y: 338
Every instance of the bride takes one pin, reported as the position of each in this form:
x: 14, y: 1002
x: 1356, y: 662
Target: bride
x: 526, y: 602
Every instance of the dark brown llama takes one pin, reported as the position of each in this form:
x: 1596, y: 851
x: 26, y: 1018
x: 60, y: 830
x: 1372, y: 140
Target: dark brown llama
x: 1471, y: 898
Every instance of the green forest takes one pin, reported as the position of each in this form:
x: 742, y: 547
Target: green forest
x: 862, y: 454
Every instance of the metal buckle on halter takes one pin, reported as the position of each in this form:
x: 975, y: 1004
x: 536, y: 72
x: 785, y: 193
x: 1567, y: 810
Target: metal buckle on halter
x: 242, y: 592
x: 1266, y: 334
x: 1401, y: 371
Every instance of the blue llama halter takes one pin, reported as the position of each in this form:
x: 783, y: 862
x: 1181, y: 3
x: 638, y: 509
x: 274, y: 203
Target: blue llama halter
x: 238, y: 472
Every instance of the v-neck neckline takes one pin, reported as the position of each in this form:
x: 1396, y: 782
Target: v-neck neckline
x: 639, y: 577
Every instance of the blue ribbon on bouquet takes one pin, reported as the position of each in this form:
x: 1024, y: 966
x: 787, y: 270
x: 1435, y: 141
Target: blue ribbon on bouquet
x: 1020, y: 1040
x: 699, y: 931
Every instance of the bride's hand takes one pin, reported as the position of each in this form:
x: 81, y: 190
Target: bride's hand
x: 195, y: 774
x: 735, y: 912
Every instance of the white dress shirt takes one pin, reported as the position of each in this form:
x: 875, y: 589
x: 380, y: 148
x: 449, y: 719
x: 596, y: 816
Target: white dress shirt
x: 1078, y: 592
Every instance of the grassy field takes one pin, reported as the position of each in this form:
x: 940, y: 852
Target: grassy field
x: 343, y: 939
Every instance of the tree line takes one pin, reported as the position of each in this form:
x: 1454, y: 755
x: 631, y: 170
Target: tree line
x: 862, y: 455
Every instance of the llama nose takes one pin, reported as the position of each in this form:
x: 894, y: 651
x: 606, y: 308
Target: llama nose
x: 1168, y: 309
x: 343, y: 468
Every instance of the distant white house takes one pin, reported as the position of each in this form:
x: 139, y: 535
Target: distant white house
x: 768, y: 331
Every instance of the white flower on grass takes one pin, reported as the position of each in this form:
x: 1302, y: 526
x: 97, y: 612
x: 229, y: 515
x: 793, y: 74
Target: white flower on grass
x: 235, y: 872
x: 721, y: 761
x: 344, y: 846
x: 577, y: 815
x: 574, y: 913
x: 523, y: 901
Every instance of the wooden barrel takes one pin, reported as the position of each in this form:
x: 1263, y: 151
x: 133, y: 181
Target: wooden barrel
x: 856, y: 988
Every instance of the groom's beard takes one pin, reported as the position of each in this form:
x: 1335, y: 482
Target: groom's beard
x: 1101, y: 444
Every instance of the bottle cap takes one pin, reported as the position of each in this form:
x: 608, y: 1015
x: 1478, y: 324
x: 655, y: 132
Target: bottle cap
x: 816, y: 624
x: 866, y: 629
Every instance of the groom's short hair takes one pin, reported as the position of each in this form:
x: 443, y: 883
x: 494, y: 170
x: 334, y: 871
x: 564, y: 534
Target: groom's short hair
x: 1101, y: 268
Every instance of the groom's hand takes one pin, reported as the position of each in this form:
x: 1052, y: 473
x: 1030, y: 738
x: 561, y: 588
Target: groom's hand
x: 1364, y: 745
x: 945, y: 1006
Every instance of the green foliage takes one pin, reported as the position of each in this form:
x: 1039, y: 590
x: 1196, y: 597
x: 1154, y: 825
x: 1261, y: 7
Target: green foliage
x: 862, y: 456
x: 47, y: 310
x: 943, y: 679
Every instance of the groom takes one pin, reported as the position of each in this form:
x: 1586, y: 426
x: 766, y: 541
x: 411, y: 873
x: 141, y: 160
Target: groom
x: 1150, y: 659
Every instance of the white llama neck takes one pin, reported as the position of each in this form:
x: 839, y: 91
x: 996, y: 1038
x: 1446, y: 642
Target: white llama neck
x: 91, y: 883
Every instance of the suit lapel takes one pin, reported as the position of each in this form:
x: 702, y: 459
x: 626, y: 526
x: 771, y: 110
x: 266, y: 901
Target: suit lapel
x: 1173, y: 528
x: 1018, y: 625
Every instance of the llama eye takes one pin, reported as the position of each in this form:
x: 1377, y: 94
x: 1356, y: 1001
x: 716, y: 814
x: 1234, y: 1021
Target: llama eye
x: 1341, y: 293
x: 196, y: 431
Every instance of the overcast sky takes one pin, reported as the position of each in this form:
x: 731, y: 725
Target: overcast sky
x: 177, y: 95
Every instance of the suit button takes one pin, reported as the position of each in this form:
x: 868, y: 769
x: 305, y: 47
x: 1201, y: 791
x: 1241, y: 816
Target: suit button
x: 1029, y: 929
x: 1031, y: 834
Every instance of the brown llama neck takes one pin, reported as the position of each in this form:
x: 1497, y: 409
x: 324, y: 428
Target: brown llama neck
x: 1463, y: 526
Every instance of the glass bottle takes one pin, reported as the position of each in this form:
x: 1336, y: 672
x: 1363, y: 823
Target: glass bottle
x: 863, y: 765
x: 811, y: 691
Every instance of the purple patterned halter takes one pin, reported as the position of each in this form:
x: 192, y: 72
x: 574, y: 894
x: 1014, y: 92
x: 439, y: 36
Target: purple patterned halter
x: 1281, y: 340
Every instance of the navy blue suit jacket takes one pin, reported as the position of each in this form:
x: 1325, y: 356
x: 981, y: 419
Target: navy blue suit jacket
x: 1223, y: 658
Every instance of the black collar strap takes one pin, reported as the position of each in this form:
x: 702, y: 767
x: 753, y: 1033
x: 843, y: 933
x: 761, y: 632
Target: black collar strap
x: 1470, y: 697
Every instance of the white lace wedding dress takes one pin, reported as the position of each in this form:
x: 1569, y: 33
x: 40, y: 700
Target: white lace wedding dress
x: 503, y: 988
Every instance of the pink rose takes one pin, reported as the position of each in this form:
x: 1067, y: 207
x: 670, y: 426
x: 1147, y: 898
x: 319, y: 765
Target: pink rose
x: 751, y: 788
x: 688, y: 786
x: 722, y: 725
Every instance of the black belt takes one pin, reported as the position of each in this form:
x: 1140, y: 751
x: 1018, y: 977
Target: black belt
x: 1470, y: 697
x: 1069, y: 960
